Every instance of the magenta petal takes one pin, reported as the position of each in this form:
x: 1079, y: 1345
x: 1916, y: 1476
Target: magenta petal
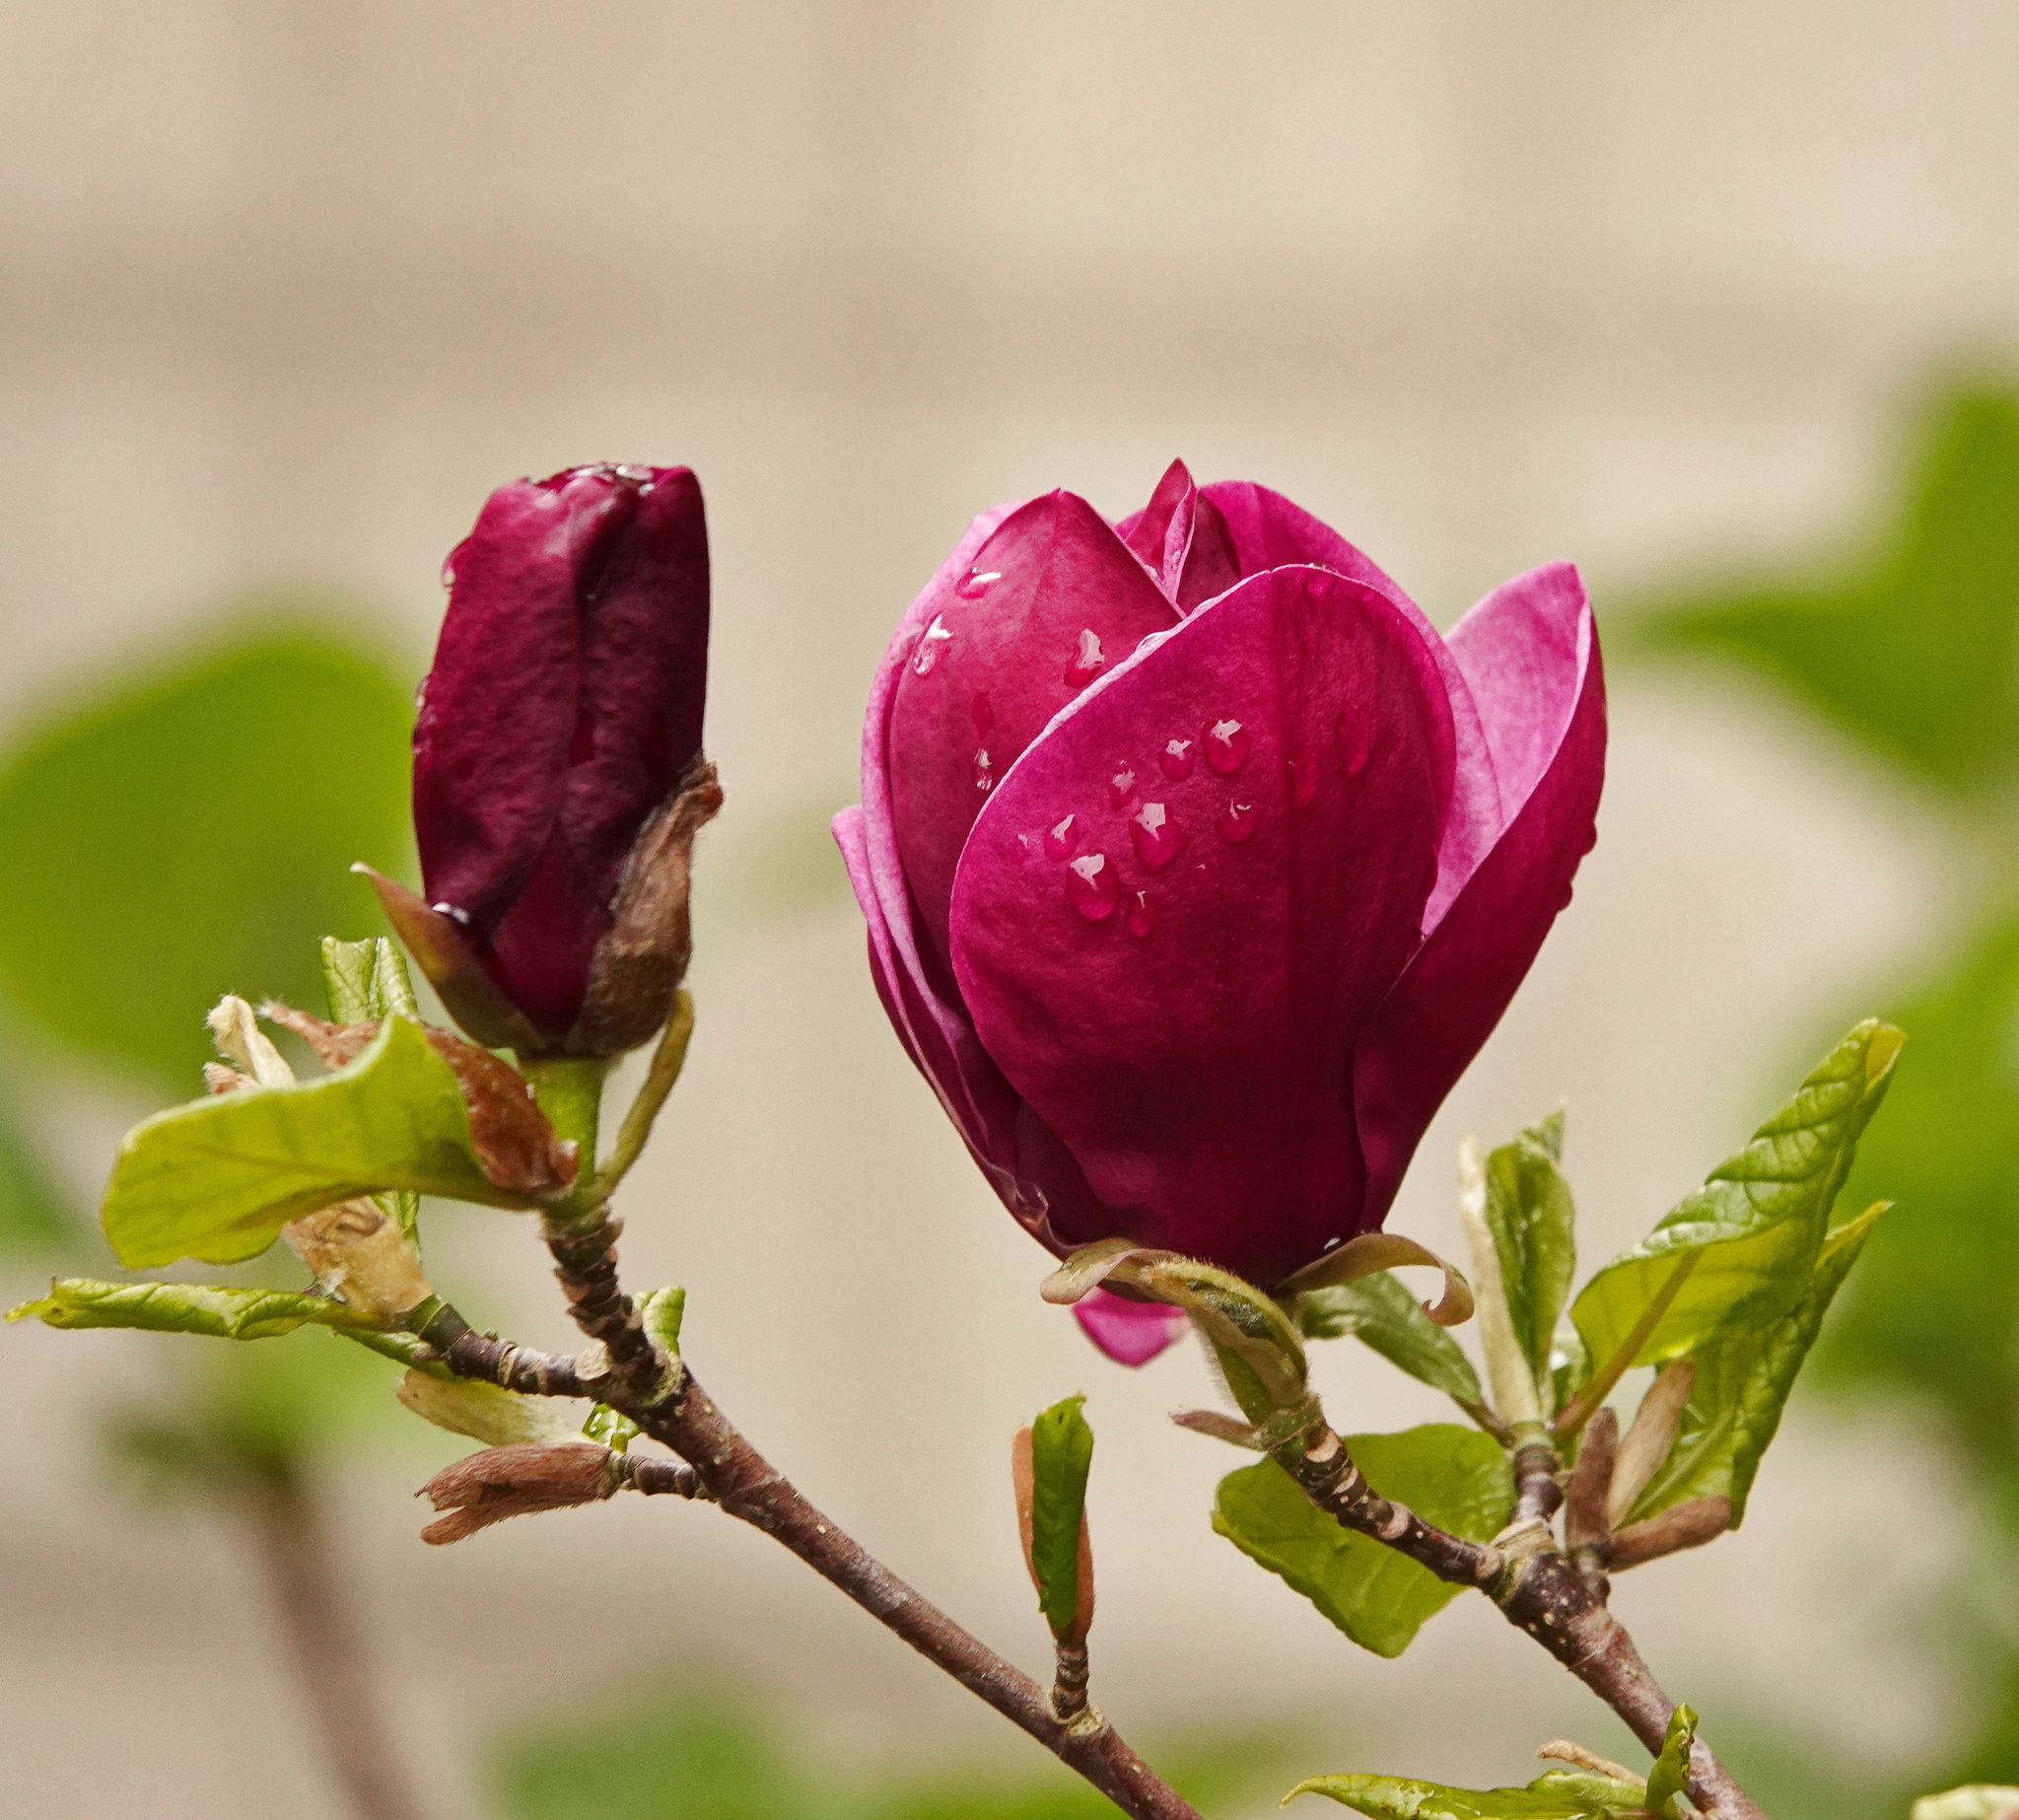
x: 1533, y: 653
x: 1193, y: 1059
x: 508, y: 657
x: 1050, y: 600
x: 1131, y: 1333
x: 1145, y: 532
x: 1269, y: 529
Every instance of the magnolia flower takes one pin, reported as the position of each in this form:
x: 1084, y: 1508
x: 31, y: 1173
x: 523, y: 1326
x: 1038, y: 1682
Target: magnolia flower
x: 1198, y: 866
x: 558, y: 778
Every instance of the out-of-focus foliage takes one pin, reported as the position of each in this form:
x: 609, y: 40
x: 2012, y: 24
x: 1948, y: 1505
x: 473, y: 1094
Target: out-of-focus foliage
x: 662, y: 1756
x: 188, y: 833
x: 1916, y: 659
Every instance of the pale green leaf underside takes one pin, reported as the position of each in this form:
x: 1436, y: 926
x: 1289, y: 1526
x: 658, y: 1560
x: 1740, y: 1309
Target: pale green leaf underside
x: 1396, y: 1797
x: 1534, y: 1223
x: 1759, y: 1220
x: 219, y: 1178
x: 184, y: 1308
x: 365, y: 981
x: 1380, y: 1311
x: 1454, y: 1477
x: 1060, y: 1455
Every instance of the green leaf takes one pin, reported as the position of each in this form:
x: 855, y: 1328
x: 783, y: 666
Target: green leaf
x: 1454, y: 1477
x: 1060, y: 1455
x: 1382, y: 1311
x: 1534, y: 1224
x: 366, y: 981
x: 183, y: 1307
x: 189, y: 835
x: 1756, y: 1227
x: 661, y: 1311
x: 1974, y: 1801
x: 218, y: 1179
x: 1744, y: 1373
x: 1917, y: 656
x: 614, y: 1429
x: 1397, y: 1797
x: 1670, y: 1776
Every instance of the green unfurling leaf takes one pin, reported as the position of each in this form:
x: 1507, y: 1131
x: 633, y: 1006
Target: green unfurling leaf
x: 1755, y: 1227
x: 661, y: 1311
x: 1060, y: 1455
x: 1397, y: 1797
x: 1382, y: 1311
x: 184, y: 1308
x: 1744, y: 1373
x: 1670, y: 1776
x: 613, y: 1429
x: 219, y: 1178
x: 1454, y: 1477
x: 1534, y: 1224
x: 366, y: 981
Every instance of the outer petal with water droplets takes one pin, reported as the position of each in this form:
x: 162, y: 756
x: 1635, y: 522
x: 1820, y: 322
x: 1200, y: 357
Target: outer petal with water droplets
x: 1531, y: 651
x: 1052, y: 588
x: 1183, y: 1013
x: 1131, y: 1333
x: 1269, y: 529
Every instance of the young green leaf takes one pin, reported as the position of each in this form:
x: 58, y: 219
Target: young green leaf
x: 1060, y: 1455
x: 366, y: 981
x: 1396, y: 1797
x: 1744, y: 1373
x: 613, y: 1429
x: 1454, y: 1477
x: 1382, y: 1311
x: 184, y: 1308
x: 1755, y: 1227
x: 1670, y: 1776
x: 1534, y: 1226
x: 661, y: 1311
x: 218, y: 1179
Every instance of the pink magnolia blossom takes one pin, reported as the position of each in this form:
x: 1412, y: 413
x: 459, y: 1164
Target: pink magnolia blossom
x: 1198, y: 866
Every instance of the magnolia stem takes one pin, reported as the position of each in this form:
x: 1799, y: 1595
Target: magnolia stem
x: 1558, y: 1603
x: 724, y: 1467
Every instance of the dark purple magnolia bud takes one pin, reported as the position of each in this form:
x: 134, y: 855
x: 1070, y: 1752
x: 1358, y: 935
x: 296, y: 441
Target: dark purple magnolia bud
x: 558, y: 777
x: 1198, y: 866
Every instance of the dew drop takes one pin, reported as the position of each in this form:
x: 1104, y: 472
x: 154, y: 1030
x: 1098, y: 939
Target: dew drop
x: 1090, y: 884
x: 1228, y: 744
x: 1059, y: 838
x: 1356, y: 741
x: 1141, y: 916
x: 976, y: 582
x: 1086, y: 662
x: 1236, y: 823
x: 630, y: 470
x: 926, y: 652
x: 1177, y: 759
x: 1159, y: 840
x: 984, y: 772
x: 447, y: 576
x: 1564, y: 903
x: 983, y: 716
x: 1122, y: 785
x: 455, y: 912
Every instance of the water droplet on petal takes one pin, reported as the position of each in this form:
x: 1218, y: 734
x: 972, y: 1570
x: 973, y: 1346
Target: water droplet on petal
x: 1228, y: 744
x: 1122, y: 785
x: 1159, y: 840
x: 1090, y: 884
x: 1564, y: 903
x: 976, y: 582
x: 1315, y: 587
x: 447, y: 576
x: 926, y: 652
x: 630, y: 470
x: 1356, y: 741
x: 454, y: 912
x: 983, y: 716
x: 1236, y: 823
x: 1086, y: 662
x: 1059, y: 838
x: 1177, y: 759
x: 1140, y: 917
x: 984, y: 772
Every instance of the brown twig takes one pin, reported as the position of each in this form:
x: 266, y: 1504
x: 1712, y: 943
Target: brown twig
x: 673, y: 1410
x: 330, y: 1659
x: 1558, y: 1603
x: 1069, y: 1681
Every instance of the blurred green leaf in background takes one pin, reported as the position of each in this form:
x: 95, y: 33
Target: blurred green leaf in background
x: 1914, y: 658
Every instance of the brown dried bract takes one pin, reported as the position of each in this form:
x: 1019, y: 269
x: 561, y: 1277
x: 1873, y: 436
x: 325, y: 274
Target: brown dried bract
x: 337, y: 1046
x: 515, y: 1145
x: 519, y: 1481
x: 640, y: 963
x: 437, y: 944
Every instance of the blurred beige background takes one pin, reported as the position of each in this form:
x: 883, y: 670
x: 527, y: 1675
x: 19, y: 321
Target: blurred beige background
x: 289, y: 286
